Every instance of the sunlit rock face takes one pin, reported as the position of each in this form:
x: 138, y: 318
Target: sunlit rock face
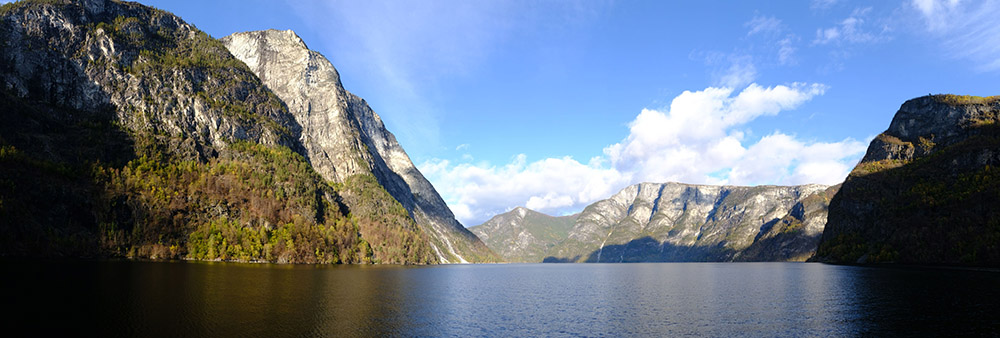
x: 343, y: 136
x: 652, y: 222
x: 926, y: 191
x: 131, y: 133
x: 122, y: 128
x: 95, y: 57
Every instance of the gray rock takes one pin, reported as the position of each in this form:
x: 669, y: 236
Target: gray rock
x: 172, y: 90
x: 342, y: 136
x: 85, y: 70
x: 673, y: 222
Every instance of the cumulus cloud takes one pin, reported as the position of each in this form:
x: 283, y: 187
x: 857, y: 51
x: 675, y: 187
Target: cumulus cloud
x: 698, y: 139
x: 967, y: 30
x: 477, y: 191
x: 780, y: 158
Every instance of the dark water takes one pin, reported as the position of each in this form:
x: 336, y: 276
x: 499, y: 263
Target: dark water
x: 181, y: 299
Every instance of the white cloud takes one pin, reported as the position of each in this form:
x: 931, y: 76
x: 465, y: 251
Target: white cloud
x: 769, y: 36
x: 549, y: 201
x: 822, y: 4
x: 698, y: 135
x: 786, y: 52
x: 477, y: 191
x: 826, y: 35
x: 740, y: 72
x: 858, y: 28
x: 699, y: 139
x: 780, y: 158
x: 764, y: 25
x: 937, y: 13
x: 965, y: 29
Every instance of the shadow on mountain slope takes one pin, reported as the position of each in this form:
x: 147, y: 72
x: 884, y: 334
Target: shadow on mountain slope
x: 647, y: 249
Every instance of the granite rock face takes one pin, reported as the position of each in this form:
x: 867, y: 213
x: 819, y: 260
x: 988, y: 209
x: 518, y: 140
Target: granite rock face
x: 651, y: 222
x: 926, y: 191
x: 344, y: 137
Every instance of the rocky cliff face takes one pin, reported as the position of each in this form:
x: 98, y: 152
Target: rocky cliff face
x: 344, y: 138
x: 926, y: 190
x: 148, y: 69
x: 679, y: 222
x: 524, y: 235
x: 128, y: 132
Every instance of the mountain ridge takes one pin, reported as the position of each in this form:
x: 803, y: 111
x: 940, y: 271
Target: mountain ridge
x: 130, y: 133
x: 344, y: 137
x: 522, y: 234
x: 926, y: 190
x: 680, y: 222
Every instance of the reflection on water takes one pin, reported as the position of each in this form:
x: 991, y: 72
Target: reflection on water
x: 709, y: 299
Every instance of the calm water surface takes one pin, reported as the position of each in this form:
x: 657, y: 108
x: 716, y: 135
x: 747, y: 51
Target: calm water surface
x: 180, y: 299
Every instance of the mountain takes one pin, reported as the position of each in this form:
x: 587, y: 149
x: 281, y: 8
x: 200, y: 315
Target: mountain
x: 926, y: 192
x: 524, y: 235
x: 671, y: 222
x: 128, y: 132
x: 344, y: 139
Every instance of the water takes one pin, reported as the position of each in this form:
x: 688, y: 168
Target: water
x: 181, y: 299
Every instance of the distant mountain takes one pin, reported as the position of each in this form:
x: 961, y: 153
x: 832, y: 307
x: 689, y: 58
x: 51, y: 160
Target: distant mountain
x: 672, y: 222
x: 524, y: 235
x: 128, y: 132
x: 926, y: 192
x: 345, y: 140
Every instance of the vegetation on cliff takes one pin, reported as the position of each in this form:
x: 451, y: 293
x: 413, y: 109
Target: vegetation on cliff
x: 130, y: 133
x: 524, y: 235
x: 938, y: 206
x: 384, y: 224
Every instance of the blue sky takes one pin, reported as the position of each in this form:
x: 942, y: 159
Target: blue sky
x: 554, y: 105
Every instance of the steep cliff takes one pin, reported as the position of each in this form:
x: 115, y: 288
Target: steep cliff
x: 926, y: 191
x: 344, y: 138
x: 795, y: 236
x: 675, y: 222
x: 128, y: 132
x: 524, y: 235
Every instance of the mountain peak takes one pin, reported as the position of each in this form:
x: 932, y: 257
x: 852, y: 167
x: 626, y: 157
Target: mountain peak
x: 521, y: 211
x: 669, y: 222
x: 115, y: 85
x: 274, y: 35
x: 522, y: 234
x: 344, y: 138
x: 935, y: 161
